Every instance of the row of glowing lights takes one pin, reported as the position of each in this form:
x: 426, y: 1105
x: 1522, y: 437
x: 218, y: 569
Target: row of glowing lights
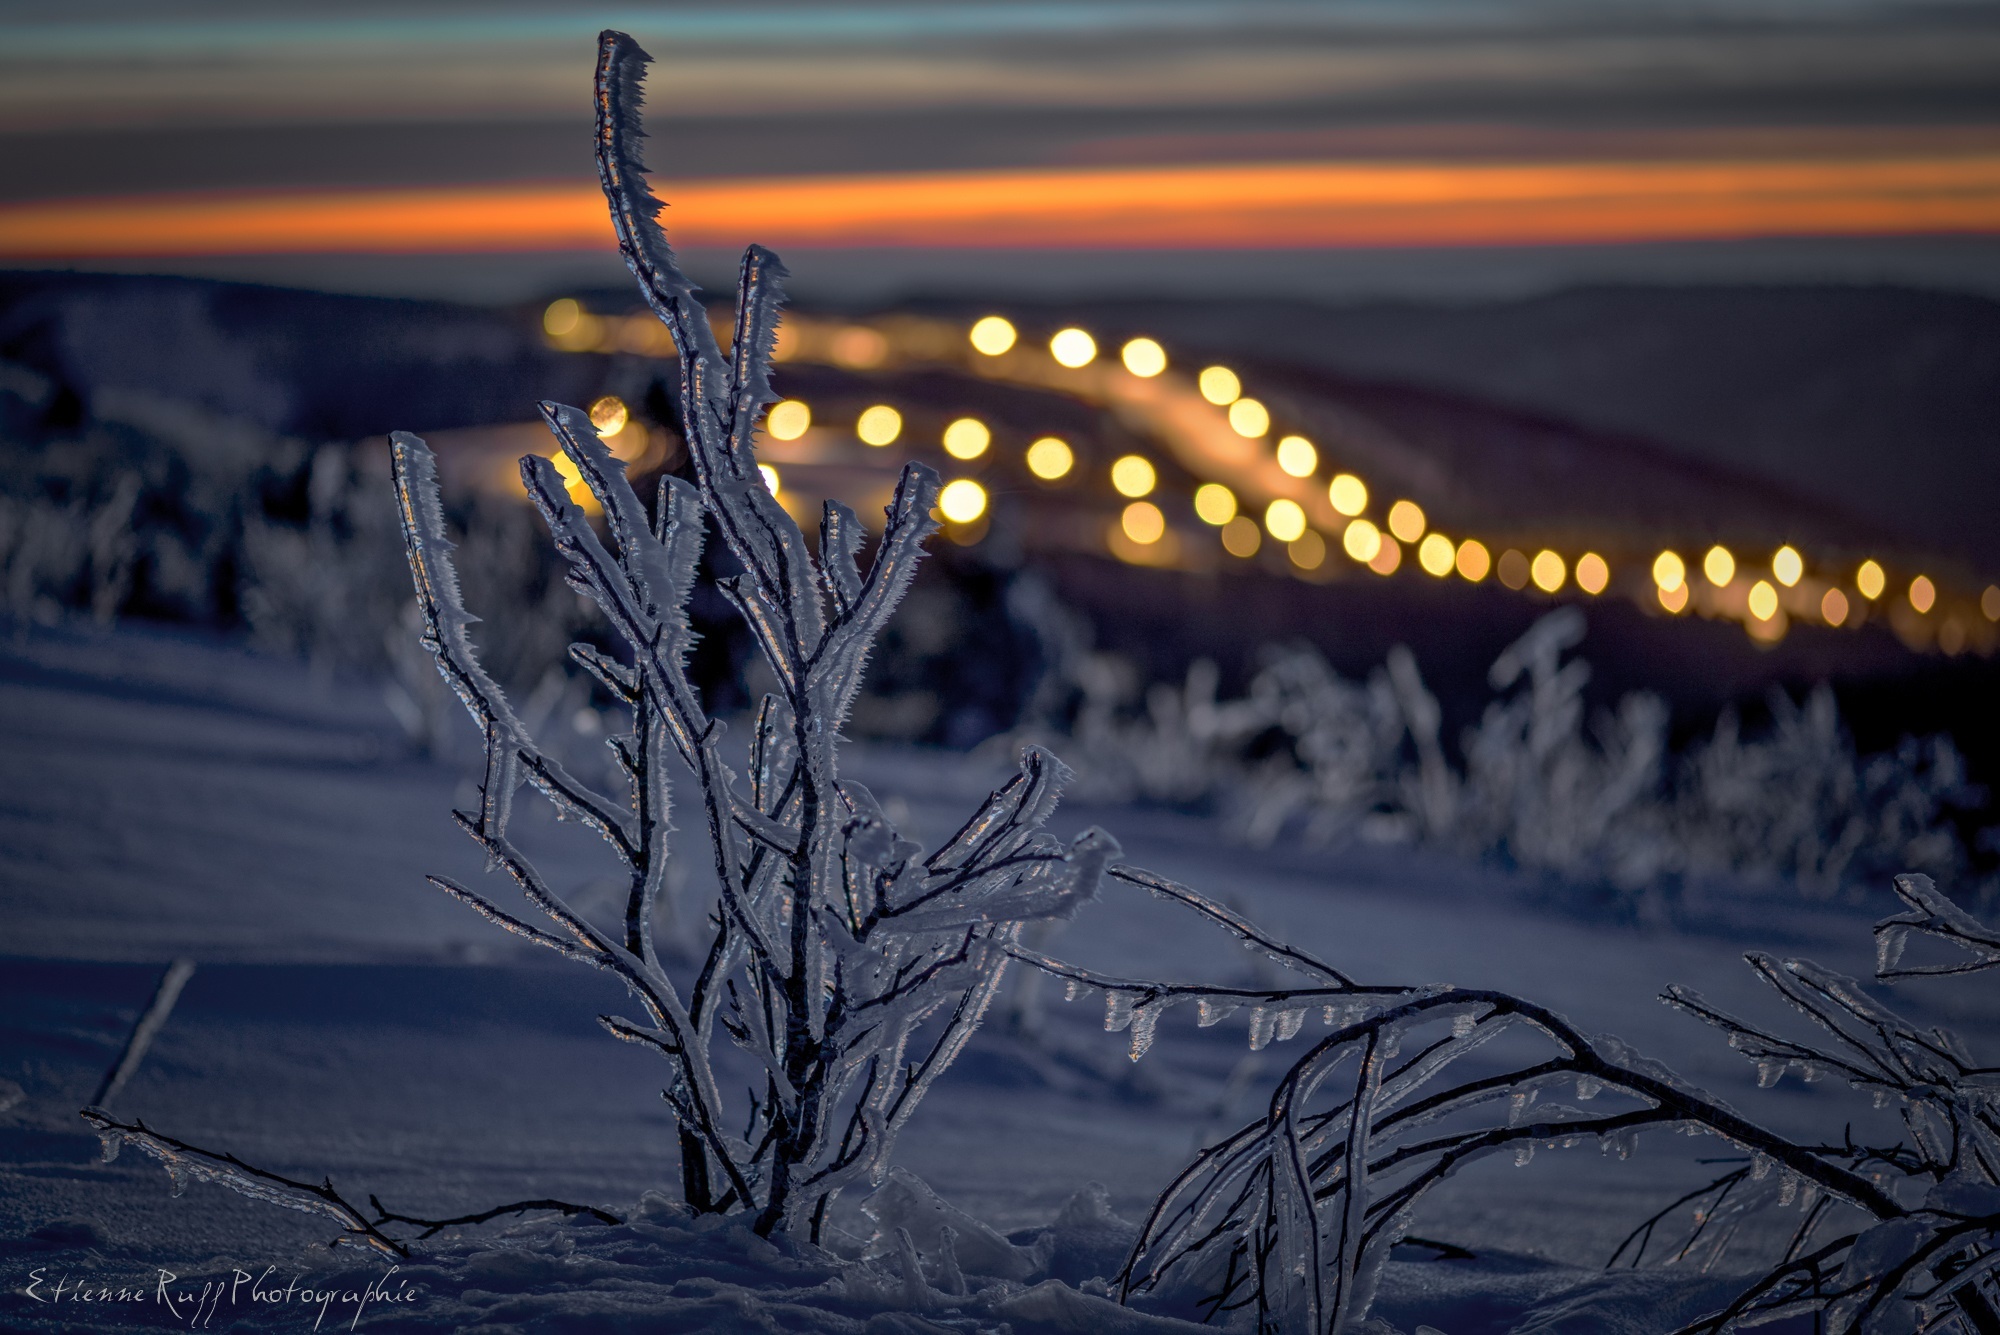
x: 964, y: 501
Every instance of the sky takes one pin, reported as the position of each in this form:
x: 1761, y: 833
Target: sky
x: 1340, y: 144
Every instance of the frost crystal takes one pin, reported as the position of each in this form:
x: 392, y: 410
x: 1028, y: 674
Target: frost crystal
x: 1118, y: 1010
x: 1210, y: 1012
x: 1144, y: 1022
x: 1263, y: 1024
x: 1289, y: 1024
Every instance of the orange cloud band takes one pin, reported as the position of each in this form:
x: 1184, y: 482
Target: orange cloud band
x: 1305, y: 205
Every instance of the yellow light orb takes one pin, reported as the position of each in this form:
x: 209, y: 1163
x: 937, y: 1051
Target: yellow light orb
x: 1143, y: 358
x: 788, y: 420
x: 566, y: 468
x: 1763, y: 600
x: 609, y: 415
x: 1133, y: 475
x: 1669, y: 571
x: 1214, y: 503
x: 1348, y: 495
x: 1388, y: 557
x: 1593, y: 573
x: 1788, y: 565
x: 1307, y: 551
x: 1989, y: 602
x: 770, y: 476
x: 1676, y: 598
x: 1719, y: 566
x: 1219, y: 386
x: 1284, y: 519
x: 1241, y: 537
x: 1833, y: 607
x: 962, y: 501
x: 879, y: 425
x: 1297, y: 456
x: 1923, y: 593
x: 1870, y: 580
x: 1143, y: 523
x: 1436, y: 555
x: 1362, y: 540
x: 1406, y: 520
x: 1073, y: 348
x: 967, y: 438
x: 1547, y: 570
x: 1049, y: 459
x: 562, y: 317
x: 993, y: 336
x: 1249, y: 418
x: 1474, y: 561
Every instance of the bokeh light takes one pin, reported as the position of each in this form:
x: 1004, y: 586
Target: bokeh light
x: 993, y: 336
x: 1348, y: 495
x: 1474, y: 562
x: 1307, y: 551
x: 1593, y: 573
x: 1214, y: 503
x: 562, y: 317
x: 1297, y: 456
x: 1219, y: 385
x: 1871, y: 580
x: 1718, y: 566
x: 1073, y: 348
x: 1143, y: 357
x: 1436, y: 554
x: 1241, y: 537
x: 1406, y: 520
x: 1049, y: 459
x: 1362, y: 541
x: 1249, y: 418
x: 788, y: 420
x: 1547, y: 570
x: 1387, y: 557
x: 1143, y: 523
x: 1763, y: 600
x: 609, y: 415
x: 962, y: 501
x: 879, y: 425
x: 859, y: 348
x: 1833, y: 607
x: 967, y: 438
x: 1284, y: 519
x: 1669, y: 571
x: 1133, y: 475
x: 1788, y: 566
x: 1989, y: 602
x: 1513, y: 568
x: 1676, y: 598
x: 770, y: 476
x: 1923, y: 593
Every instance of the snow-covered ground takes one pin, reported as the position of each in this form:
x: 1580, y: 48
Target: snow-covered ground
x: 162, y: 796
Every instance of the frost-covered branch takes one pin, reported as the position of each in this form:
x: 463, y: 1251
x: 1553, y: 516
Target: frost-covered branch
x: 1932, y: 914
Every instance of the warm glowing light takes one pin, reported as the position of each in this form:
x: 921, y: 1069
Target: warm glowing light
x: 1923, y: 593
x: 562, y: 317
x: 1513, y: 569
x: 1133, y: 475
x: 1788, y: 566
x: 859, y: 348
x: 1406, y: 520
x: 1362, y: 541
x: 1718, y: 565
x: 1220, y: 386
x: 1215, y: 503
x: 788, y: 420
x: 879, y: 425
x: 1297, y: 456
x: 566, y: 468
x: 1387, y: 557
x: 993, y: 336
x: 1436, y: 555
x: 1049, y: 459
x: 962, y: 501
x: 1870, y: 580
x: 1073, y: 348
x: 1284, y: 519
x: 1989, y: 602
x: 1676, y: 598
x: 1669, y: 571
x: 1547, y: 571
x: 609, y: 415
x: 1593, y: 573
x: 770, y: 476
x: 1763, y: 600
x: 967, y: 438
x: 1348, y: 494
x: 1833, y: 607
x: 1242, y: 537
x: 1474, y: 562
x: 1143, y: 523
x: 1951, y: 636
x: 1307, y: 551
x: 1249, y: 418
x: 1143, y: 358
